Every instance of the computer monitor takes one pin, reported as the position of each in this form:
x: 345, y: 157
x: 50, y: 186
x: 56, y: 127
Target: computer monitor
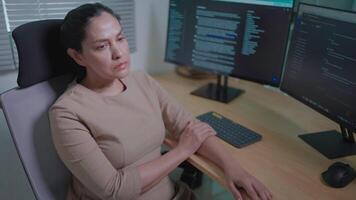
x: 241, y: 38
x: 321, y: 72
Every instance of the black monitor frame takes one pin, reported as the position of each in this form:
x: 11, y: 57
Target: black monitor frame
x: 343, y: 144
x: 224, y: 93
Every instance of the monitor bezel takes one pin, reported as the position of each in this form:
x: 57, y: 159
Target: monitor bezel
x: 277, y: 85
x: 286, y: 91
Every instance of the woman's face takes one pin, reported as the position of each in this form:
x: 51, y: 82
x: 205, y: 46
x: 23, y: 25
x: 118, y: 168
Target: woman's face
x: 105, y: 52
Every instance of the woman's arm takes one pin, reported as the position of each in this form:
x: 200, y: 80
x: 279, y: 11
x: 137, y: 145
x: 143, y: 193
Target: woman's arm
x: 86, y: 161
x: 189, y: 142
x: 236, y: 177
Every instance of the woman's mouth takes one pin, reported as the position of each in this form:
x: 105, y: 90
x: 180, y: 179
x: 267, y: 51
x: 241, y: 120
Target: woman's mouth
x: 121, y: 66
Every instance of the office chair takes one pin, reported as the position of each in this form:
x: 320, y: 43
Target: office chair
x: 44, y: 72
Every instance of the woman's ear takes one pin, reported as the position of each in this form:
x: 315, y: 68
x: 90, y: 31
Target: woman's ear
x: 76, y: 56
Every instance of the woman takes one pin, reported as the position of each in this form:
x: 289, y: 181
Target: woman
x: 108, y: 127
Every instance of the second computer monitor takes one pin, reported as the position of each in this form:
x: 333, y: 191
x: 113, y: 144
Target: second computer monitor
x: 321, y: 72
x: 241, y: 38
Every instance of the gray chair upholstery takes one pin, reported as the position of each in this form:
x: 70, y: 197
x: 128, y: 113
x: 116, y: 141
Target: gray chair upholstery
x: 25, y: 109
x: 26, y: 115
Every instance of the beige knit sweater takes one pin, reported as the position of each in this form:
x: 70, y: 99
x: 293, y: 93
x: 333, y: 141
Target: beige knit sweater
x: 102, y: 139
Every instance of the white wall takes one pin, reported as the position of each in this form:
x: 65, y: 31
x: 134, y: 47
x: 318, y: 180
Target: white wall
x: 151, y: 27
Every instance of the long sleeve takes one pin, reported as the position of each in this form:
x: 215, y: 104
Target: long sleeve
x: 175, y: 117
x: 83, y: 157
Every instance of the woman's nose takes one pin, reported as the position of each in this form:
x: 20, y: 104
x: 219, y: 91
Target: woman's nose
x: 116, y: 52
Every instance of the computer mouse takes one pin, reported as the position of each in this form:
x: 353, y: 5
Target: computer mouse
x: 338, y: 175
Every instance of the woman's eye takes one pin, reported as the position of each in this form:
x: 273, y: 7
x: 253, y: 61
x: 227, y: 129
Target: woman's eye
x: 121, y: 38
x: 100, y: 47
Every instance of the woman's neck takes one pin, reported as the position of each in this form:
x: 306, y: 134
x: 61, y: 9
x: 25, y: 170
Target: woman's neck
x: 106, y: 87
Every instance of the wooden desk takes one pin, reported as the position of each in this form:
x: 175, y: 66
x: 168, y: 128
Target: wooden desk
x: 289, y: 167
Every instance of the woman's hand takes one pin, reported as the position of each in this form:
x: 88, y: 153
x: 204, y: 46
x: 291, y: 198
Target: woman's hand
x: 239, y: 180
x: 193, y: 135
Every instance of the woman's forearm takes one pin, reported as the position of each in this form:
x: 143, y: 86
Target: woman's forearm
x: 213, y: 150
x: 238, y: 181
x: 152, y: 172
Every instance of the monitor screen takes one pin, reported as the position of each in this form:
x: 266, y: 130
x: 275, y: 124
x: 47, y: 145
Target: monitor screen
x: 321, y: 64
x: 241, y: 38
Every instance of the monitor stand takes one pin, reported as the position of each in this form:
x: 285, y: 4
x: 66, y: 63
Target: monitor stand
x: 218, y: 92
x: 332, y: 144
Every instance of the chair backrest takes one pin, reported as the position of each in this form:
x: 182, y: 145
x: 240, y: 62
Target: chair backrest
x: 42, y: 63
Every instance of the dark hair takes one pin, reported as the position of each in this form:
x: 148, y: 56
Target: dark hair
x: 73, y: 28
x: 76, y: 20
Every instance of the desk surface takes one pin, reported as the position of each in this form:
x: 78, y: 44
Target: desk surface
x: 289, y: 167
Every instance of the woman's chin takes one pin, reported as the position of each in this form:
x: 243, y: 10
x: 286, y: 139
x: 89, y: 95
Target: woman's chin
x: 122, y: 73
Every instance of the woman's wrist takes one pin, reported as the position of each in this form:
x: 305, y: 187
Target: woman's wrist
x: 231, y: 167
x: 181, y: 153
